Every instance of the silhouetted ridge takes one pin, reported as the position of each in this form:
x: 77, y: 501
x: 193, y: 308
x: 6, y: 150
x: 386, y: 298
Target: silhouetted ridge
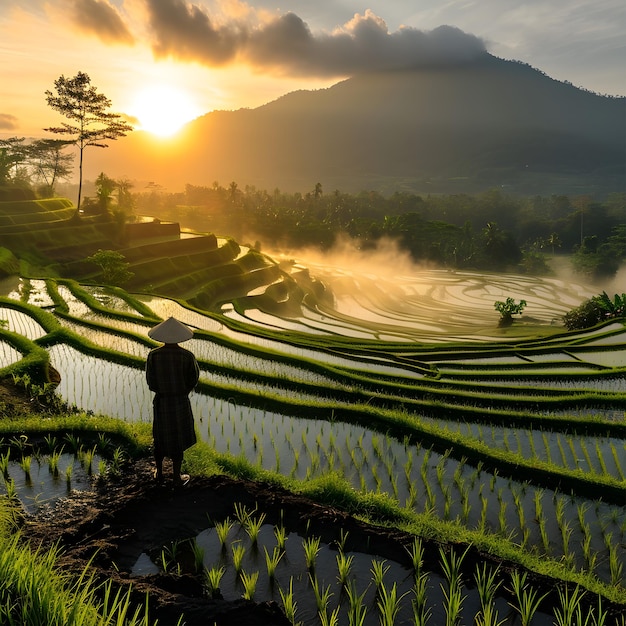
x: 490, y: 121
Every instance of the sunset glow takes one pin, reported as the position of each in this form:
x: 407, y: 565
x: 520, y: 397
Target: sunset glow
x: 162, y: 109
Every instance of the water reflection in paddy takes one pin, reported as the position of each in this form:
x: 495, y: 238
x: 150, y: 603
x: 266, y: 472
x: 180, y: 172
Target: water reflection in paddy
x: 21, y: 323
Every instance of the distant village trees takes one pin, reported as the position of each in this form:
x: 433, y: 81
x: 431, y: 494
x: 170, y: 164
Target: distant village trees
x: 41, y: 163
x: 492, y: 230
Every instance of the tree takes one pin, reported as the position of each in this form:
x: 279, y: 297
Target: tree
x: 49, y: 162
x: 13, y: 153
x: 113, y: 265
x: 508, y: 309
x: 105, y: 186
x: 80, y: 102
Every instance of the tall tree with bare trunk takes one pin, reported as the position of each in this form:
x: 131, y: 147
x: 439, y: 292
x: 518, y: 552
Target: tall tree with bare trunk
x: 91, y: 123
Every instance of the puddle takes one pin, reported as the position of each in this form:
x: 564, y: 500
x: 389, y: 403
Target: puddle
x: 41, y: 486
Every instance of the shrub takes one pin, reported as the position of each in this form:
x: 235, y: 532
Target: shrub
x: 595, y: 310
x: 508, y: 309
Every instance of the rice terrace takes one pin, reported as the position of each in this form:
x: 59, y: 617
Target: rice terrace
x: 374, y: 446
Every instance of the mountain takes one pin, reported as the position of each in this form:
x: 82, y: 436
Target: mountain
x: 443, y: 128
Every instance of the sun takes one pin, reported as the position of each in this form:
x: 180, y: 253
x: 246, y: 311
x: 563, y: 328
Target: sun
x: 163, y: 109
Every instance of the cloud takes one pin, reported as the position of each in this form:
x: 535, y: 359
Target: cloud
x: 286, y: 45
x: 102, y: 19
x: 8, y: 121
x: 185, y: 31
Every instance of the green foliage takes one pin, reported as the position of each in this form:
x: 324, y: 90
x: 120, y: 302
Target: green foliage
x: 595, y: 259
x: 8, y: 263
x: 595, y: 310
x: 113, y: 265
x: 508, y: 308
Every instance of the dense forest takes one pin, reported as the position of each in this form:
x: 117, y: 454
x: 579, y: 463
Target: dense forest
x: 490, y: 230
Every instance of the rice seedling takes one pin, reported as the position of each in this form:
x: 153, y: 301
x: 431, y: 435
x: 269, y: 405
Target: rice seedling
x: 566, y: 534
x: 559, y: 444
x: 343, y: 539
x: 484, y: 503
x: 330, y: 619
x: 249, y: 582
x: 51, y: 442
x: 198, y: 554
x: 118, y: 459
x: 272, y: 561
x: 505, y: 441
x: 411, y: 499
x: 569, y: 607
x: 546, y: 445
x: 388, y: 603
x: 74, y: 442
x: 408, y: 466
x: 25, y: 463
x: 104, y: 443
x: 378, y: 571
x: 600, y: 619
x: 543, y: 531
x: 19, y: 443
x: 581, y: 511
x: 280, y: 533
x: 357, y: 610
x: 431, y: 499
x: 289, y: 603
x: 212, y: 579
x: 311, y: 547
x: 4, y: 464
x: 527, y: 601
x: 238, y: 551
x: 322, y: 596
x: 11, y: 490
x: 377, y: 479
x: 447, y: 501
x: 68, y: 474
x: 416, y: 552
x: 616, y: 461
x: 487, y: 584
x: 453, y: 591
x: 616, y: 566
x: 502, y: 517
x: 87, y: 457
x: 421, y: 612
x: 169, y: 556
x: 53, y: 463
x: 223, y: 529
x: 583, y: 447
x: 344, y: 568
x: 253, y: 526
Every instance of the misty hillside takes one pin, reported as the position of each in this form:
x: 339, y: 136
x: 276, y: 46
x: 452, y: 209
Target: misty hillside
x: 461, y: 128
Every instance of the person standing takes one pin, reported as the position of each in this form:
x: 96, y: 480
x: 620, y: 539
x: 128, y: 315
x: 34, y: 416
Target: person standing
x: 172, y: 373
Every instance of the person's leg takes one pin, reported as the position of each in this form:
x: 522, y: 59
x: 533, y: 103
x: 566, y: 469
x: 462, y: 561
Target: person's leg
x: 177, y: 462
x: 179, y: 479
x: 158, y: 459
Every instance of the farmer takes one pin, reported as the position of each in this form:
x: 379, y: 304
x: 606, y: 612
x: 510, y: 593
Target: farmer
x: 172, y: 373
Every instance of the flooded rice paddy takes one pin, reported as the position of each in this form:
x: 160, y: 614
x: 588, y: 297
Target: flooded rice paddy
x: 394, y: 323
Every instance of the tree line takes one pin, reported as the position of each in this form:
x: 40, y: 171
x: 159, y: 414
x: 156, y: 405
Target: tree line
x: 490, y: 230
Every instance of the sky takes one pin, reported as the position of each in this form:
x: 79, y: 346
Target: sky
x: 164, y: 62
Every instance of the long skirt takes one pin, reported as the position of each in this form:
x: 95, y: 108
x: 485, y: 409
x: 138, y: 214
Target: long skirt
x: 173, y: 426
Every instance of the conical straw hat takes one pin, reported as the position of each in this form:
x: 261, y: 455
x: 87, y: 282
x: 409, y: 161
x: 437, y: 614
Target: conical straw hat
x: 170, y: 331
